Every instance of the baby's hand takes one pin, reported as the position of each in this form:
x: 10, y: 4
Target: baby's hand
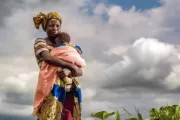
x: 66, y: 71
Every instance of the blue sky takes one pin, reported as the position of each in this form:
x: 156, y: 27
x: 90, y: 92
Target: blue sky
x: 139, y: 4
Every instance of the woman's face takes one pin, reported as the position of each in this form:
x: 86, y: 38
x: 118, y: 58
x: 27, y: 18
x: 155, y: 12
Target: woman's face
x: 53, y: 27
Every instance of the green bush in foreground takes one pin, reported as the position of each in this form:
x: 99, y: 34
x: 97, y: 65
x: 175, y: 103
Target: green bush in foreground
x: 165, y: 113
x: 162, y: 113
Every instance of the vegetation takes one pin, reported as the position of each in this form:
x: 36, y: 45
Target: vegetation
x: 163, y: 113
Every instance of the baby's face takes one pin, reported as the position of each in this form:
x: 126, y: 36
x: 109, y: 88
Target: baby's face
x: 58, y: 41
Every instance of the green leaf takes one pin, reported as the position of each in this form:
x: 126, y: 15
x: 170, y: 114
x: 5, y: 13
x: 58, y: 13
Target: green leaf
x: 103, y: 115
x: 117, y: 116
x: 127, y: 112
x: 99, y: 115
x: 139, y: 116
x: 109, y: 114
x: 165, y: 113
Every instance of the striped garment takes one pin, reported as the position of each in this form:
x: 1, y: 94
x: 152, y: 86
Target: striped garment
x: 41, y: 45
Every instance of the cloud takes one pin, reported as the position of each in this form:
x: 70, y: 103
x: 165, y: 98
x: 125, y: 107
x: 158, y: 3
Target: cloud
x: 7, y: 11
x: 147, y: 64
x: 131, y: 55
x: 15, y: 117
x: 17, y: 92
x: 88, y: 93
x: 172, y: 80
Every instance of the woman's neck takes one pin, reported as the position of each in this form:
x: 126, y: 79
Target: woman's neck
x: 52, y: 39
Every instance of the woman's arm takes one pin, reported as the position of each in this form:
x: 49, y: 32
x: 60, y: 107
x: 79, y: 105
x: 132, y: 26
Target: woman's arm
x: 41, y: 51
x: 52, y: 60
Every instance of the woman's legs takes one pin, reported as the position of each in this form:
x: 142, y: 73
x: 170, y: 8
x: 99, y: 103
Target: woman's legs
x: 50, y: 109
x: 67, y: 113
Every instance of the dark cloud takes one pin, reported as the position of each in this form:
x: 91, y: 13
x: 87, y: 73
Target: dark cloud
x: 170, y: 24
x: 171, y: 19
x: 14, y: 117
x: 45, y: 1
x: 131, y: 78
x: 7, y: 8
x: 9, y: 31
x: 18, y: 98
x: 170, y: 35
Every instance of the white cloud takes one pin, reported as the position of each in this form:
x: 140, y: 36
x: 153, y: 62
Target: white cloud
x: 126, y: 19
x: 93, y: 73
x: 163, y: 101
x: 19, y: 82
x: 13, y: 109
x: 148, y: 61
x: 119, y: 50
x: 172, y: 80
x: 95, y: 106
x: 88, y: 93
x: 88, y: 118
x: 100, y: 9
x: 127, y: 37
x: 151, y: 51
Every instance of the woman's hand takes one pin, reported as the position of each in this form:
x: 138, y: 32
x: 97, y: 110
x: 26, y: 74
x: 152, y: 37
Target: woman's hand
x: 76, y: 71
x: 61, y: 74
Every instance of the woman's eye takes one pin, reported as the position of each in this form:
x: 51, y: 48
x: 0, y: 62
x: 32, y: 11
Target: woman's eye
x: 49, y: 25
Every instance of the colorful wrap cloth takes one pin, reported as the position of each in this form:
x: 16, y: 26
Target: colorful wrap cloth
x: 50, y: 87
x: 42, y: 19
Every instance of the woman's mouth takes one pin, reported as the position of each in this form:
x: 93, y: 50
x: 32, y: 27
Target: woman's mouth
x: 54, y: 32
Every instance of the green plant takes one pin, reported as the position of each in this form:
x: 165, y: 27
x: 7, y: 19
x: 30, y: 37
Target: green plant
x: 117, y: 116
x: 103, y: 115
x: 139, y: 116
x: 165, y: 113
x: 162, y: 113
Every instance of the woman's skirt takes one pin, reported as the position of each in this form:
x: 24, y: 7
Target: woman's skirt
x: 61, y: 105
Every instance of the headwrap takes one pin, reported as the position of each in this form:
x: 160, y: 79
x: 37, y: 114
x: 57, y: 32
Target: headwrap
x: 42, y: 19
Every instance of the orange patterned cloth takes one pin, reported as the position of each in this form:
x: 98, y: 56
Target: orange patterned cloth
x: 42, y: 19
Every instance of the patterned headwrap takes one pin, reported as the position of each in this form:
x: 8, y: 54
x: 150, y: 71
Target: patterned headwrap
x: 42, y: 19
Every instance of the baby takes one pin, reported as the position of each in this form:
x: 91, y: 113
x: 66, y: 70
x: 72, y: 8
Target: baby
x: 68, y: 52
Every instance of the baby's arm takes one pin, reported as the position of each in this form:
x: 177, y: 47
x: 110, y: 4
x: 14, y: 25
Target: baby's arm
x: 66, y: 71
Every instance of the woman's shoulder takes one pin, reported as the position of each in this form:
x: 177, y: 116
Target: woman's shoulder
x: 40, y: 40
x: 40, y: 43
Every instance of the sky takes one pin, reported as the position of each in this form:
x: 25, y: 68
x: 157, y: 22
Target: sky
x: 131, y: 48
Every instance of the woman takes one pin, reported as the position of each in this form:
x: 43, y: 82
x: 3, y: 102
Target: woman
x: 58, y: 104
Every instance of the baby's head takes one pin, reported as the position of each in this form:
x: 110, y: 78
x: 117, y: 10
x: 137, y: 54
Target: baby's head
x: 62, y: 38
